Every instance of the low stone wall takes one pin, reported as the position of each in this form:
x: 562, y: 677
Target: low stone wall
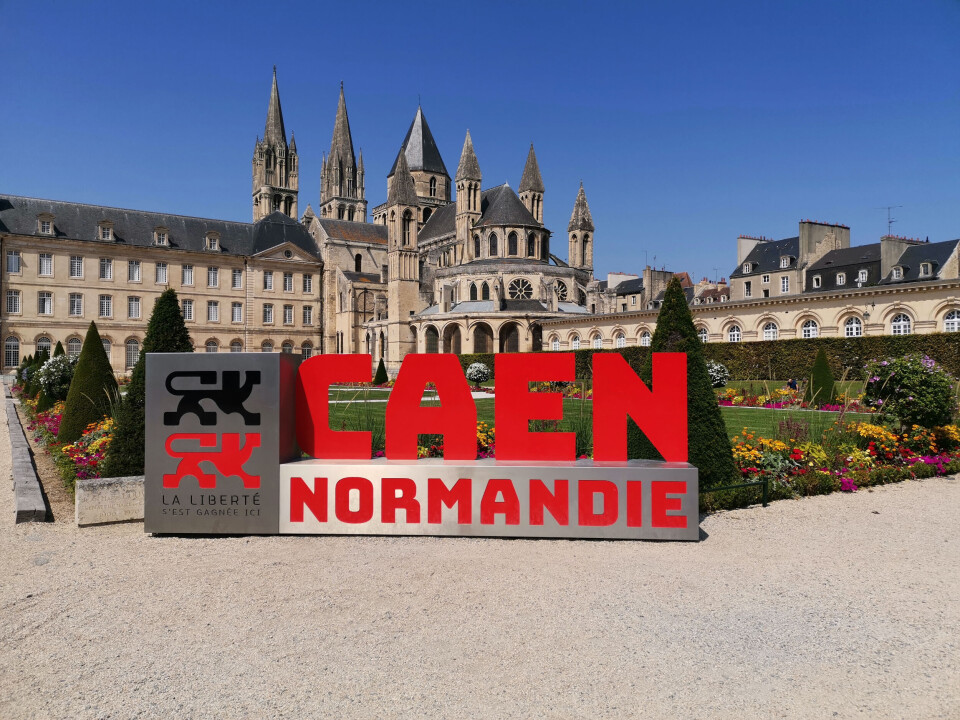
x: 109, y: 500
x: 29, y: 505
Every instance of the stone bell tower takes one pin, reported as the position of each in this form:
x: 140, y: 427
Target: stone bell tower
x: 275, y: 164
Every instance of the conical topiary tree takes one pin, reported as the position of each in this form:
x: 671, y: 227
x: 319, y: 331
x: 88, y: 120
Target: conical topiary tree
x: 59, y: 349
x: 820, y: 388
x: 708, y: 445
x: 166, y: 332
x: 381, y: 376
x: 92, y: 391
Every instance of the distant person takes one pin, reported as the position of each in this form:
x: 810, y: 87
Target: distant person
x: 792, y: 384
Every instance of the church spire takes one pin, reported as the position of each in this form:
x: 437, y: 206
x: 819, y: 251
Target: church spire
x: 402, y: 189
x: 341, y: 180
x: 274, y: 133
x: 469, y: 167
x: 341, y: 146
x: 580, y: 234
x: 531, y: 179
x: 581, y: 219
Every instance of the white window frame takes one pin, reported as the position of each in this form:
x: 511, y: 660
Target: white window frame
x: 74, y: 347
x: 44, y: 303
x: 133, y: 307
x: 734, y: 334
x: 853, y: 327
x: 897, y: 273
x: 213, y: 311
x: 236, y: 312
x: 186, y: 274
x: 862, y: 275
x: 901, y: 324
x: 810, y: 329
x: 784, y: 262
x: 186, y: 309
x: 575, y: 342
x: 14, y: 305
x: 14, y: 255
x: 236, y: 279
x: 288, y: 314
x: 621, y: 340
x: 841, y: 279
x: 268, y: 279
x: 133, y: 271
x: 784, y: 284
x: 307, y: 282
x: 747, y: 289
x: 288, y: 282
x: 308, y: 315
x: 268, y: 313
x: 817, y: 281
x: 764, y: 279
x: 105, y: 306
x: 106, y: 268
x: 925, y: 270
x: 131, y: 353
x: 703, y: 335
x: 76, y: 267
x: 45, y: 264
x: 46, y: 227
x: 213, y: 276
x: 75, y: 304
x: 951, y: 321
x: 645, y: 338
x: 771, y: 331
x: 160, y: 273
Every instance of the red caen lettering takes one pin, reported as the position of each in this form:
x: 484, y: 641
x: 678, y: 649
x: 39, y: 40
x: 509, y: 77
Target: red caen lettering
x: 557, y: 502
x: 399, y: 494
x: 313, y: 409
x: 459, y: 496
x: 660, y: 503
x: 364, y: 490
x: 302, y: 496
x: 455, y: 418
x: 587, y: 490
x: 490, y: 506
x: 661, y: 413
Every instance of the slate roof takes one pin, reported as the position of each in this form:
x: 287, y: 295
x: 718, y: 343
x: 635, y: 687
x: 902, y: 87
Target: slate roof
x: 531, y: 178
x: 420, y: 148
x: 135, y: 228
x: 442, y: 222
x: 765, y: 257
x: 847, y: 257
x: 502, y: 206
x: 934, y: 253
x: 523, y: 306
x: 687, y: 292
x: 629, y: 287
x: 355, y: 231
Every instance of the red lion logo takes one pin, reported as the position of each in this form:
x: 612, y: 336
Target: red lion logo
x: 228, y: 461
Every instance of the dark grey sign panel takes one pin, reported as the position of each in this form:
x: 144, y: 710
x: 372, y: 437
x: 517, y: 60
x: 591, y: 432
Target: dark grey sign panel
x: 218, y: 425
x: 637, y: 499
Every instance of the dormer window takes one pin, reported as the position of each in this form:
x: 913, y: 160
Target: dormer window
x: 105, y: 230
x: 897, y: 273
x: 817, y: 281
x: 213, y: 241
x: 746, y: 267
x: 925, y: 270
x: 45, y: 224
x: 161, y: 236
x: 784, y: 261
x: 723, y: 298
x: 710, y: 299
x: 862, y: 276
x: 841, y: 278
x: 696, y: 301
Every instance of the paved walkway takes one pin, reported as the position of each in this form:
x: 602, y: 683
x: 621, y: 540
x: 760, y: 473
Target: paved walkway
x: 845, y: 606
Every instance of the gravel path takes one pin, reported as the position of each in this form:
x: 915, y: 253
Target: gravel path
x: 840, y: 606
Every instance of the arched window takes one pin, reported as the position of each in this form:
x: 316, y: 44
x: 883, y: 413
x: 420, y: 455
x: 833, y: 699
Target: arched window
x: 431, y: 340
x: 520, y: 289
x: 771, y: 331
x: 853, y: 327
x: 512, y: 244
x: 734, y: 334
x: 11, y: 352
x: 357, y: 262
x: 597, y: 342
x: 287, y: 347
x: 350, y: 213
x: 341, y: 212
x: 43, y: 345
x: 484, y: 292
x: 703, y: 335
x: 306, y: 350
x: 74, y: 345
x: 236, y: 346
x: 131, y: 354
x: 621, y: 340
x: 554, y: 343
x: 267, y: 346
x: 951, y: 321
x: 476, y: 246
x: 407, y: 235
x: 212, y: 346
x: 901, y: 324
x: 531, y: 245
x: 433, y: 187
x: 575, y: 343
x: 584, y: 248
x: 561, y: 291
x: 645, y: 339
x: 473, y: 291
x: 493, y: 245
x: 106, y: 347
x: 810, y: 329
x: 427, y: 212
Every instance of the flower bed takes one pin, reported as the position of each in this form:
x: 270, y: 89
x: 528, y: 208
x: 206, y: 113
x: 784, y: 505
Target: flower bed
x: 784, y: 398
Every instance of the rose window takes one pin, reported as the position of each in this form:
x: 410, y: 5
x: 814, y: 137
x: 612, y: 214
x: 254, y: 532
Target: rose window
x: 561, y: 290
x: 520, y: 289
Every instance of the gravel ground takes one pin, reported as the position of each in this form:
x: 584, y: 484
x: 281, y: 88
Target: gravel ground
x: 840, y: 606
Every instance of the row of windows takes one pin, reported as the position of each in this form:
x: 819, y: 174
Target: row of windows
x: 45, y: 269
x: 236, y: 312
x: 493, y: 246
x: 105, y: 232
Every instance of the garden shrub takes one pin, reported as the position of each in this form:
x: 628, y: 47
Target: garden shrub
x: 166, y: 332
x: 477, y: 373
x: 820, y: 387
x: 92, y: 391
x: 380, y: 378
x: 815, y: 483
x: 719, y: 375
x: 708, y: 445
x: 58, y: 350
x: 54, y: 377
x: 913, y: 389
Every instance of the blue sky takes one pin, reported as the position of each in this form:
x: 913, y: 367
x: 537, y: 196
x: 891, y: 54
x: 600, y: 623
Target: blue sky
x: 688, y: 122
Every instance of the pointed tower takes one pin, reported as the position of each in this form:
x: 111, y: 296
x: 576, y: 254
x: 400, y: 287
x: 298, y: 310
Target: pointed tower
x: 423, y: 159
x: 275, y: 164
x: 468, y: 182
x: 403, y: 263
x: 580, y: 232
x: 342, y: 192
x: 531, y: 186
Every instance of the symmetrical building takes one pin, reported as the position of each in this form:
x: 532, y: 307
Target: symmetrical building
x: 444, y: 265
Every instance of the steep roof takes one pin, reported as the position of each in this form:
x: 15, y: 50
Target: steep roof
x: 442, y: 222
x: 135, y: 228
x: 765, y: 256
x: 531, y: 179
x: 274, y: 132
x: 420, y: 148
x: 934, y: 253
x: 469, y: 167
x: 341, y: 145
x: 847, y: 257
x: 629, y: 287
x: 354, y: 231
x: 581, y: 219
x: 502, y: 206
x: 403, y: 191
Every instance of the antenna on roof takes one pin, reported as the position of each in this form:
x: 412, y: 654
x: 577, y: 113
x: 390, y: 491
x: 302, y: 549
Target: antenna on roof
x: 890, y: 219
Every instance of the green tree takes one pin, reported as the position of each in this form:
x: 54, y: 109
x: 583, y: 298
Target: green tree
x: 58, y: 351
x: 820, y: 389
x: 92, y: 391
x: 708, y: 446
x: 166, y: 332
x: 381, y: 377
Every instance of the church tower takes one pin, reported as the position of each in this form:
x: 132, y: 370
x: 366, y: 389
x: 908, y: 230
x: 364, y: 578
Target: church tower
x: 403, y: 263
x: 468, y: 181
x: 342, y: 191
x: 275, y: 164
x: 531, y: 187
x: 580, y: 232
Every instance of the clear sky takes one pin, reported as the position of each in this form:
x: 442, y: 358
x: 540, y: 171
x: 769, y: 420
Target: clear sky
x: 689, y: 123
